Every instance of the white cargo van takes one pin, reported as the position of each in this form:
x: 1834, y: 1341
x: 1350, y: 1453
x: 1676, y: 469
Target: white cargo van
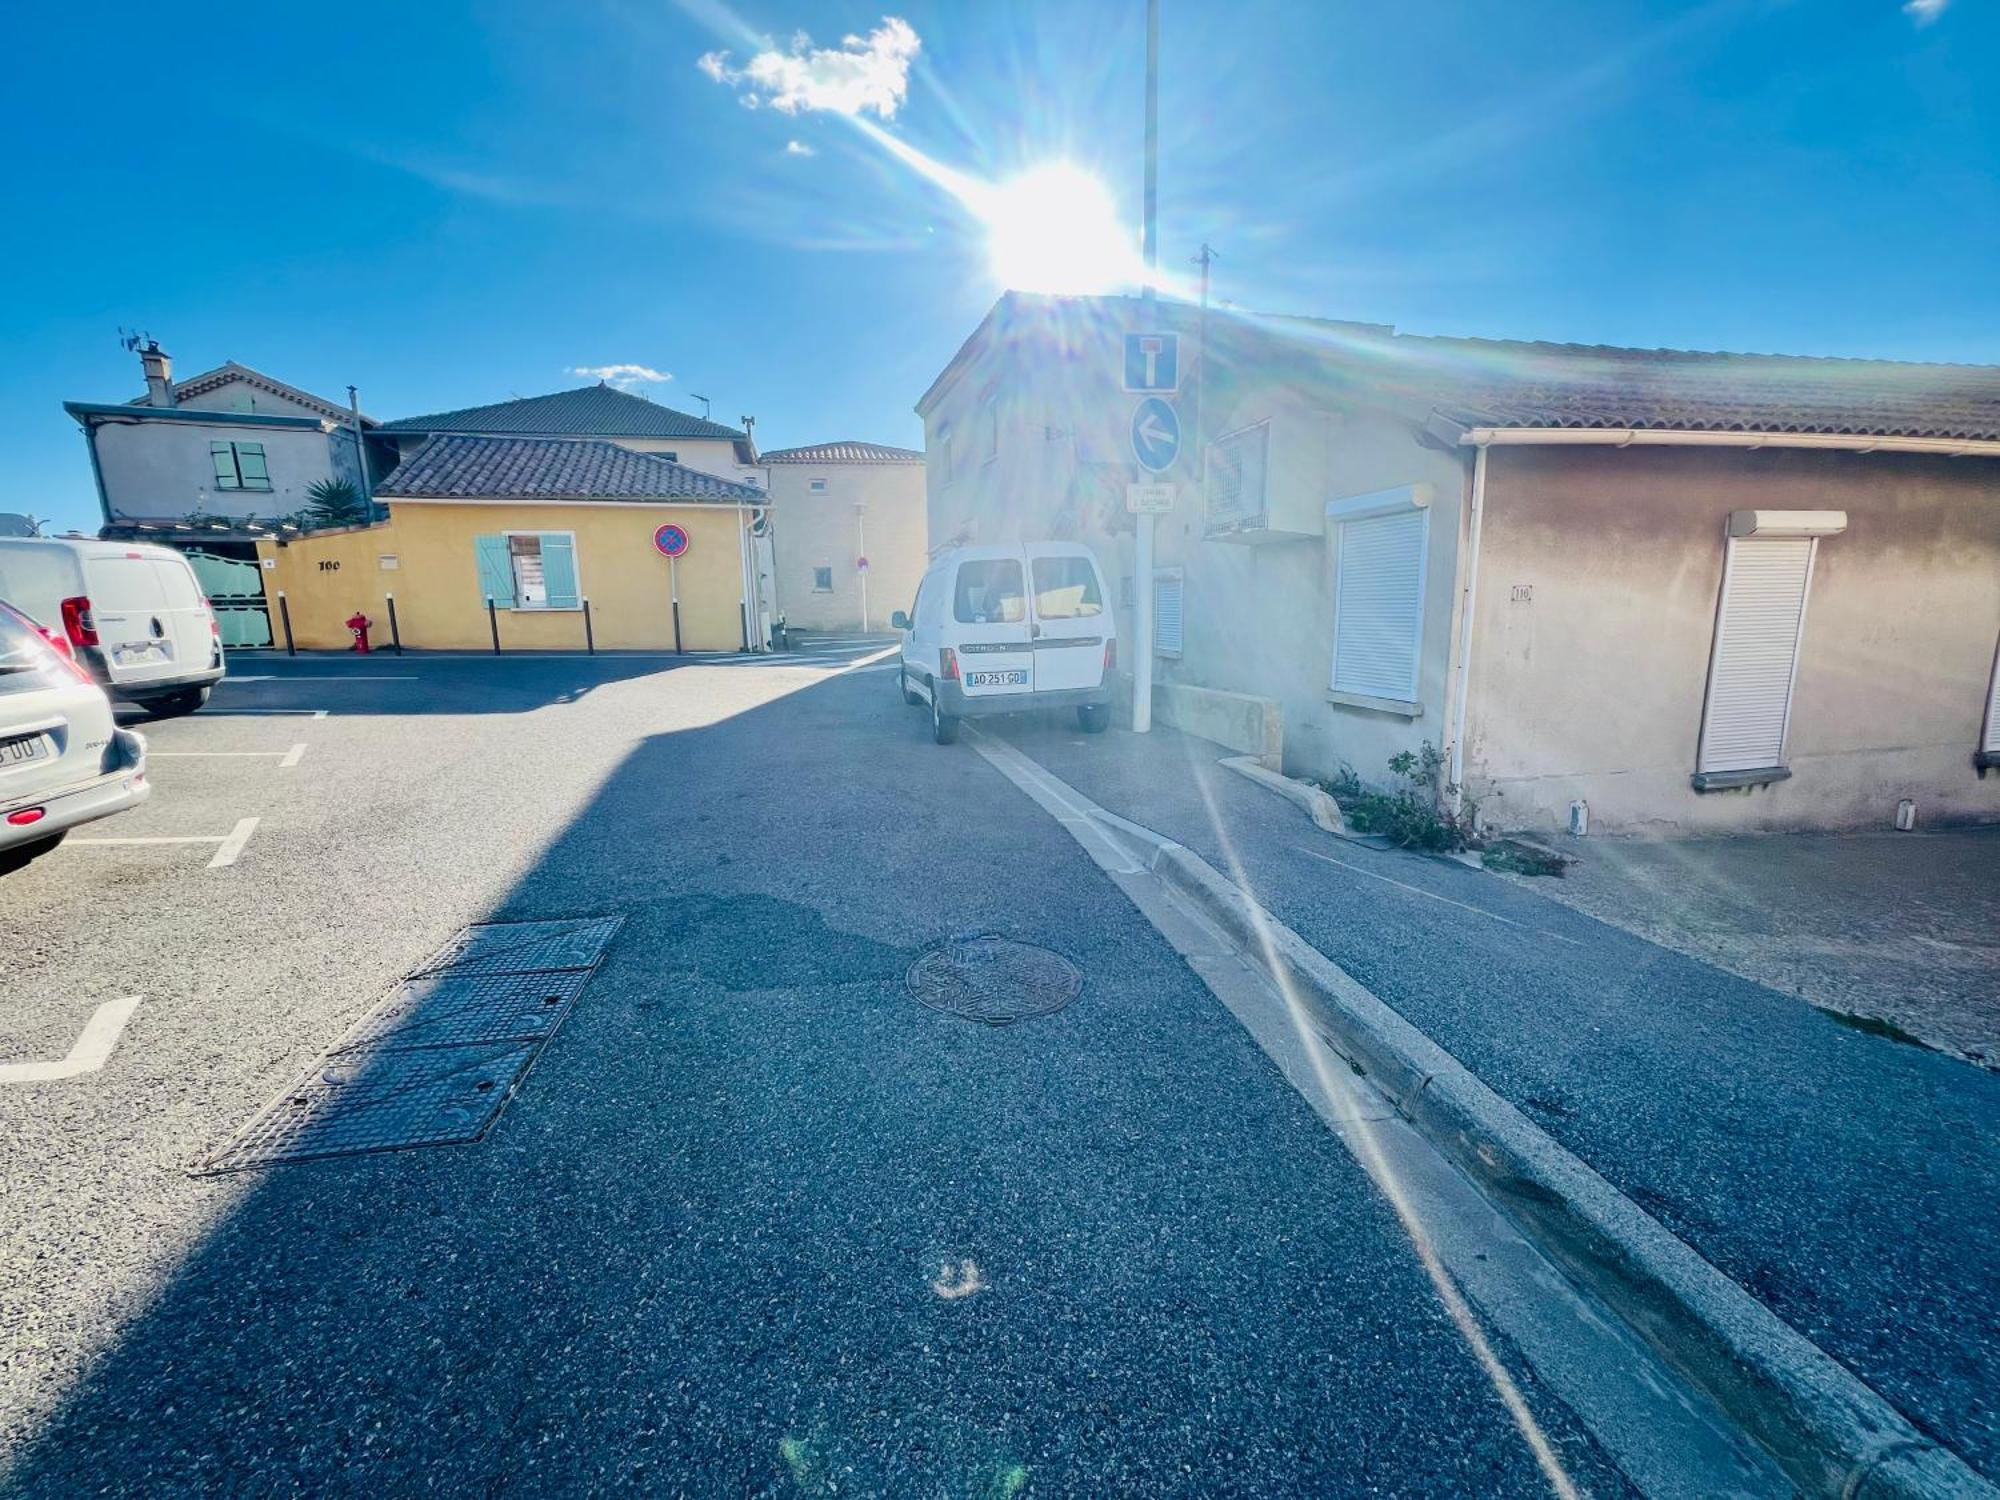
x: 133, y: 614
x: 997, y: 630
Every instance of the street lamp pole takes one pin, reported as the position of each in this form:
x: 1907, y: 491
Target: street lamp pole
x: 1149, y: 244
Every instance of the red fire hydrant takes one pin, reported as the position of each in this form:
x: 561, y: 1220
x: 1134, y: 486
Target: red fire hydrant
x: 359, y: 623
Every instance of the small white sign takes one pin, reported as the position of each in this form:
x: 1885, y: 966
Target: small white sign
x: 1149, y: 499
x: 389, y: 560
x: 270, y: 563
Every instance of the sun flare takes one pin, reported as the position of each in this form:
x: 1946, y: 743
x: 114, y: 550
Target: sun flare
x: 1055, y: 228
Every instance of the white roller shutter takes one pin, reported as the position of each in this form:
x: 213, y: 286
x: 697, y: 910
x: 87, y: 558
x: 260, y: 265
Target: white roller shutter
x: 1378, y: 615
x: 1764, y: 586
x: 1169, y: 597
x: 1991, y: 743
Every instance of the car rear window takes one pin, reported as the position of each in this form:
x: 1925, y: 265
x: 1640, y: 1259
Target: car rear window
x: 989, y: 593
x: 1066, y: 589
x: 26, y: 661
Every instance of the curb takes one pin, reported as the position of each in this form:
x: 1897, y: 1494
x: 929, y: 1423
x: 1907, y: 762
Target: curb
x: 1318, y: 806
x: 1832, y: 1434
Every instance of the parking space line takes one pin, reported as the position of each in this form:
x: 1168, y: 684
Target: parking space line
x: 292, y: 757
x: 208, y: 754
x: 326, y: 677
x: 192, y: 838
x: 91, y: 1051
x: 232, y: 713
x: 233, y: 845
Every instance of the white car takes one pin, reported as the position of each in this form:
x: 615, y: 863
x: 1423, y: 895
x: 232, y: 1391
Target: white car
x: 1002, y: 629
x: 63, y: 759
x: 133, y: 615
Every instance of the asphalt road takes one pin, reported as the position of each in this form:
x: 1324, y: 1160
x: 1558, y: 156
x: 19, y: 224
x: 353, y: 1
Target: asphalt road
x: 1845, y: 1179
x: 757, y: 1222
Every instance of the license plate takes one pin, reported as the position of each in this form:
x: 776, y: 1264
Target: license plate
x: 142, y: 651
x: 1016, y: 678
x: 19, y: 752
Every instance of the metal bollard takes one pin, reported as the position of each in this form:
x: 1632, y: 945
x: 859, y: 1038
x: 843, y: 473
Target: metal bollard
x: 493, y: 623
x: 395, y: 635
x: 589, y: 637
x: 285, y: 614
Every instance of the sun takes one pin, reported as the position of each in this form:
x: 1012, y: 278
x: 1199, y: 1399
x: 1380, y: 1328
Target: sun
x: 1055, y: 228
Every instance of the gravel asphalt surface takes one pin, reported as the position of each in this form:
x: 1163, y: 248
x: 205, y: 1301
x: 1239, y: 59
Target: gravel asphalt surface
x: 757, y: 1222
x: 1848, y: 1180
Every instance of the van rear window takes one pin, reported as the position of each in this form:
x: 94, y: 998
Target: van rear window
x: 989, y: 593
x: 1066, y: 589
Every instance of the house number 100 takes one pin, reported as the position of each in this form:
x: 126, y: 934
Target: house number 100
x: 329, y: 567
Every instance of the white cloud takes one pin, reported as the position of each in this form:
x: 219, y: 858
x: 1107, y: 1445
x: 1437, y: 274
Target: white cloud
x: 623, y: 376
x: 799, y: 148
x: 863, y: 73
x: 1923, y: 12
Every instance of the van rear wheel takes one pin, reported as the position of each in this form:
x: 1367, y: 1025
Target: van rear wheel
x: 1093, y: 718
x: 173, y: 705
x: 944, y: 726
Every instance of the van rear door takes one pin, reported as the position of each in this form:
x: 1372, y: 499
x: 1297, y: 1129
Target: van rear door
x: 988, y: 626
x: 128, y: 605
x: 1069, y: 621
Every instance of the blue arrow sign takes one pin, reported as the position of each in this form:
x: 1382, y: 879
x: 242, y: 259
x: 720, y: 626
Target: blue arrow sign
x: 1156, y: 434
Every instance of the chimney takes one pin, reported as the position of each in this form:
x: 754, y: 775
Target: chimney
x: 159, y: 368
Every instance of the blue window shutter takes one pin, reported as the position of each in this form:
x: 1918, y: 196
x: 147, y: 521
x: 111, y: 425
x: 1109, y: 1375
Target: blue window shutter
x: 496, y: 570
x: 559, y: 570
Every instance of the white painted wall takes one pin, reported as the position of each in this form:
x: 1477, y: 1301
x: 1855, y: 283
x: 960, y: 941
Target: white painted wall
x: 817, y: 529
x: 161, y: 469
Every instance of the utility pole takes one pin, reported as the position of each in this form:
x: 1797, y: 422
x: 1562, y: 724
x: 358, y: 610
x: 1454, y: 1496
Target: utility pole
x: 1149, y: 244
x: 1204, y: 260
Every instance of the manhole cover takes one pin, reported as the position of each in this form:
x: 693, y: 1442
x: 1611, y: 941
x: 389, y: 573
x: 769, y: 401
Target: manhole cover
x: 524, y: 947
x: 994, y: 979
x: 443, y: 1009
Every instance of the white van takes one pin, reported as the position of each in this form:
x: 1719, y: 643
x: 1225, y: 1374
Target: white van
x: 133, y: 614
x: 995, y: 630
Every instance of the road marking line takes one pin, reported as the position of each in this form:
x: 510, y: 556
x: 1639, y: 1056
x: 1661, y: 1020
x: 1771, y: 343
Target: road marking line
x: 202, y: 838
x: 92, y: 1050
x: 206, y: 754
x: 232, y: 713
x: 233, y: 845
x: 330, y: 677
x: 292, y: 757
x: 227, y: 680
x: 1448, y: 901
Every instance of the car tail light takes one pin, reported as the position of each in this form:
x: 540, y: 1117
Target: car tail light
x: 26, y: 816
x: 947, y: 664
x: 214, y: 625
x: 1110, y: 656
x: 77, y: 624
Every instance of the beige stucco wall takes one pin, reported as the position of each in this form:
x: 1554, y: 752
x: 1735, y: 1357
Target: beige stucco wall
x: 153, y: 469
x: 1593, y: 687
x: 436, y: 579
x: 821, y: 530
x: 1259, y: 618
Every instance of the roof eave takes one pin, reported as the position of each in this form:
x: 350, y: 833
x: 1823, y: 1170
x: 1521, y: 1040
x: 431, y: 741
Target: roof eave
x: 1671, y: 437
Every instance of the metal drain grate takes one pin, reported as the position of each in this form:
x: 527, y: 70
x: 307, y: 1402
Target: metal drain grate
x: 441, y: 1010
x: 524, y: 947
x: 380, y: 1101
x: 994, y: 979
x: 434, y: 1063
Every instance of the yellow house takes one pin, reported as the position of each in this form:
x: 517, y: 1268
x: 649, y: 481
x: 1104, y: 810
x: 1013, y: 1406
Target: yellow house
x: 547, y: 544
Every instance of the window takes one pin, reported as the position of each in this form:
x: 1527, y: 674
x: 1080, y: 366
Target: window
x: 1066, y: 589
x: 989, y: 429
x: 822, y: 580
x: 1989, y: 742
x: 989, y: 593
x: 1235, y: 478
x: 239, y: 466
x: 817, y: 486
x: 529, y: 570
x: 1766, y: 575
x: 1380, y: 541
x: 1169, y: 591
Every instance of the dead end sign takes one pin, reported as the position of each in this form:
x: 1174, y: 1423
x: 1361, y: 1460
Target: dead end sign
x: 671, y: 540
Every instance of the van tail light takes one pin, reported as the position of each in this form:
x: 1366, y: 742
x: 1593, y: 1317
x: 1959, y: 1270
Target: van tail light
x: 1110, y: 656
x: 77, y: 624
x: 947, y: 664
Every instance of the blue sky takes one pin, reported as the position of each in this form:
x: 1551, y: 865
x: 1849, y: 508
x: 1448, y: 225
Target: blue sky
x: 449, y: 203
